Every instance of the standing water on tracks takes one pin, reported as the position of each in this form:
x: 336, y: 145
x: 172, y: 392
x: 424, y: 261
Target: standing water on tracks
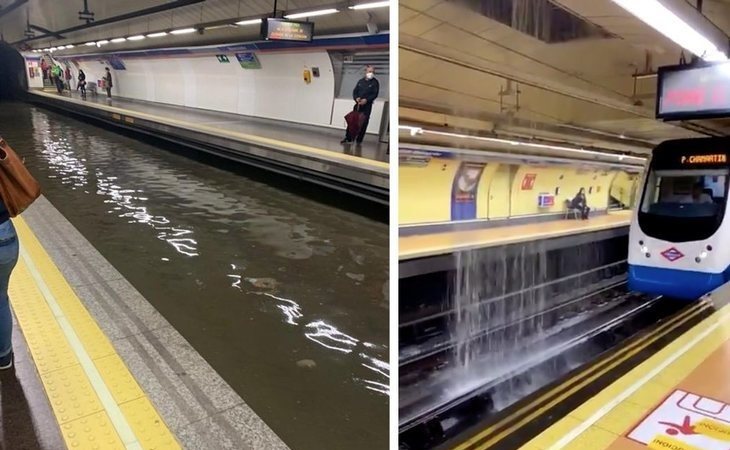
x: 285, y: 297
x: 506, y: 304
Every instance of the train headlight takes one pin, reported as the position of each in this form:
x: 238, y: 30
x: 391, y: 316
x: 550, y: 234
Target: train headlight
x: 644, y: 249
x: 703, y: 255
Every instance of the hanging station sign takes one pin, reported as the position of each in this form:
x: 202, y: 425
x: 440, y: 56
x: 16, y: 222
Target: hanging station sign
x: 287, y: 30
x: 693, y: 92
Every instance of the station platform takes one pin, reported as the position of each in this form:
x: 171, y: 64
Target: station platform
x: 97, y: 367
x: 666, y: 389
x: 302, y: 151
x: 437, y: 244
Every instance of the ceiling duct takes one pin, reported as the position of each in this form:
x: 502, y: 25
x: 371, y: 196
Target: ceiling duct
x: 541, y: 19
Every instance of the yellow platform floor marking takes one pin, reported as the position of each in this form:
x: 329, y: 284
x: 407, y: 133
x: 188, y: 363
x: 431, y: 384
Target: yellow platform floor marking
x: 96, y: 400
x: 609, y: 414
x: 380, y: 166
x: 421, y: 245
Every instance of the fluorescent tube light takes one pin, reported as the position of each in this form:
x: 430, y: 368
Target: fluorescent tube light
x: 158, y: 34
x: 320, y: 12
x: 183, y: 31
x: 90, y: 43
x: 117, y: 40
x: 60, y: 47
x: 621, y: 157
x: 138, y: 37
x: 249, y: 22
x: 371, y: 5
x: 659, y: 17
x: 70, y: 46
x: 102, y: 42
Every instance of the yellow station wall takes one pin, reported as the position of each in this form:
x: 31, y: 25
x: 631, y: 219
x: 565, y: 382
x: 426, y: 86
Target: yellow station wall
x: 425, y: 191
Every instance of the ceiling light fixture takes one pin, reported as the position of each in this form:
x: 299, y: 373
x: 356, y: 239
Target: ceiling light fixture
x: 70, y: 46
x: 90, y: 43
x: 138, y: 37
x: 158, y: 34
x: 249, y: 22
x: 320, y: 12
x: 118, y: 40
x: 371, y: 5
x: 666, y: 22
x: 183, y: 31
x: 102, y: 42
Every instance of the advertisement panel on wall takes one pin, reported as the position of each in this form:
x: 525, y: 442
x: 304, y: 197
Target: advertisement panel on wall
x: 248, y: 60
x: 464, y: 191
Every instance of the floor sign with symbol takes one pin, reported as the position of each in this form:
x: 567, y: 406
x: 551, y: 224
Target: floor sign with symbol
x: 699, y: 422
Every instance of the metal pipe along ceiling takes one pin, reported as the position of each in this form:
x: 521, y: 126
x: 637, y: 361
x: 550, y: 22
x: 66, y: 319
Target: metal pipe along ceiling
x: 131, y: 15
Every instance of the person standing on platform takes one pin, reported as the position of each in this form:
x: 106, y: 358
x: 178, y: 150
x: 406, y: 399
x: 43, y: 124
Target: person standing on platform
x: 581, y: 204
x: 44, y: 68
x: 67, y: 76
x: 81, y: 85
x: 9, y: 249
x: 108, y: 83
x: 58, y: 77
x: 364, y: 94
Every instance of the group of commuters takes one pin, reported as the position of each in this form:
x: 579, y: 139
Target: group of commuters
x: 108, y: 84
x: 62, y: 79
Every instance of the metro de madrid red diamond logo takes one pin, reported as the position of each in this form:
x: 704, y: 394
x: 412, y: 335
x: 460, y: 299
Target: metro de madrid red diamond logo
x: 672, y: 254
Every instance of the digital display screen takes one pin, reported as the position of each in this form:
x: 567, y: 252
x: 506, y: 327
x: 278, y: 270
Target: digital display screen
x: 699, y: 92
x: 287, y: 30
x: 691, y: 160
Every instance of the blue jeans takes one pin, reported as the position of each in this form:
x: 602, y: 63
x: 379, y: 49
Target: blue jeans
x: 9, y: 248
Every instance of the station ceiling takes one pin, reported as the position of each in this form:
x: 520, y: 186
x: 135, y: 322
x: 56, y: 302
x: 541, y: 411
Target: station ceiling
x: 55, y: 15
x: 460, y: 70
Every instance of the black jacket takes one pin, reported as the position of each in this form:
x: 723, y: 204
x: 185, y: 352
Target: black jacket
x: 367, y: 89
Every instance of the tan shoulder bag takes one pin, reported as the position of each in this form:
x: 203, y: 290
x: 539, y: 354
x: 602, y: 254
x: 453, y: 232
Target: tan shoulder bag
x: 18, y: 188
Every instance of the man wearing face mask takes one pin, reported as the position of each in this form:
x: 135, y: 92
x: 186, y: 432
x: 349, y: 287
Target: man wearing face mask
x: 364, y: 94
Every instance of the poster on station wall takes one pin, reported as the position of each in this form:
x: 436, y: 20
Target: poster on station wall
x: 528, y: 181
x: 464, y: 191
x: 116, y: 63
x: 248, y: 60
x: 685, y: 421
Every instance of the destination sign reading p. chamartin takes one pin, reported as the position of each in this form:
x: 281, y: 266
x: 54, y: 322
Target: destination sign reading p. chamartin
x: 693, y: 93
x: 287, y: 30
x: 719, y: 158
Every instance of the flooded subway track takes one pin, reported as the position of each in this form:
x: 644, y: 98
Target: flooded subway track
x: 494, y: 326
x: 285, y: 297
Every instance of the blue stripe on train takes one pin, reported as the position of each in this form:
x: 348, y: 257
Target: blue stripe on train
x: 683, y: 284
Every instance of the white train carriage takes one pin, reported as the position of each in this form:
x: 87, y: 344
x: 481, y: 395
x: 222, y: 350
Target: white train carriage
x: 678, y: 243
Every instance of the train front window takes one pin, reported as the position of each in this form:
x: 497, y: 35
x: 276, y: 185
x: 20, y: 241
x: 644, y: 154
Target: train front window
x: 683, y: 205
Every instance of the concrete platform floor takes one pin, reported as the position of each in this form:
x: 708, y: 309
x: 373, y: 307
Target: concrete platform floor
x: 324, y: 138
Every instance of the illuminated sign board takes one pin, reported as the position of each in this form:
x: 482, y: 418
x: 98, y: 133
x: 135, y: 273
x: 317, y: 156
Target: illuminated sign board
x: 719, y: 158
x: 693, y: 93
x: 287, y: 30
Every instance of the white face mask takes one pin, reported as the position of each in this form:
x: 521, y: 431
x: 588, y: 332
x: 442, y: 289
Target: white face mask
x: 369, y: 75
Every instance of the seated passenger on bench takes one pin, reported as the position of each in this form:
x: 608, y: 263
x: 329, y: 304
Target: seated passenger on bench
x: 580, y: 203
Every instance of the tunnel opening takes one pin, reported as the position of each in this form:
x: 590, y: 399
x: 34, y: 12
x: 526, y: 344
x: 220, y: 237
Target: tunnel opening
x: 12, y: 73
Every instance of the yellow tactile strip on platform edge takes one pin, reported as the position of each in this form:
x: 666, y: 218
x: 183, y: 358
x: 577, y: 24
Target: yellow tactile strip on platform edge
x: 96, y: 400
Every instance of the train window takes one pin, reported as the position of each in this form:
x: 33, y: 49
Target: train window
x: 693, y: 200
